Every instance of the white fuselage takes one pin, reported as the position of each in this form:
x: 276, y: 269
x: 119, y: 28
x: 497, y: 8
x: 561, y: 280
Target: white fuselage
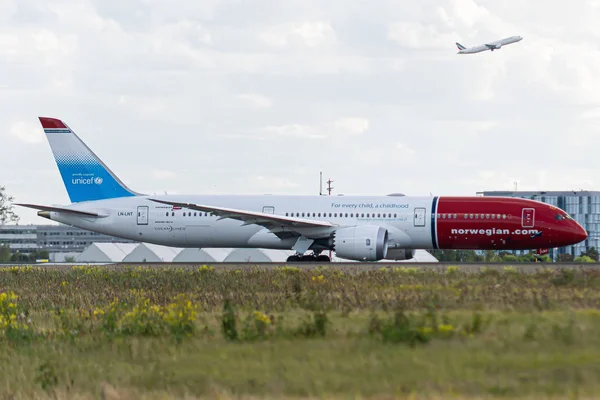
x: 138, y: 218
x: 496, y: 45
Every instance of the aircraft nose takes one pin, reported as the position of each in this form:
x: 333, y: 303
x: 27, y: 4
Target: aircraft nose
x: 579, y: 234
x: 572, y: 233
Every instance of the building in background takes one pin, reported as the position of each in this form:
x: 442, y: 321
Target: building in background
x: 583, y: 206
x: 59, y: 240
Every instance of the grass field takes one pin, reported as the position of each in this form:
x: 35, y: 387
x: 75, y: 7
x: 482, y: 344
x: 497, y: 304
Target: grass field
x: 91, y: 332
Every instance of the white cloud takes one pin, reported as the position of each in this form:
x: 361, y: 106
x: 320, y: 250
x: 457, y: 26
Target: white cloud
x: 468, y: 12
x: 307, y: 33
x: 347, y: 126
x: 405, y: 150
x: 162, y: 174
x: 255, y: 100
x: 27, y: 132
x: 418, y: 36
x: 275, y: 183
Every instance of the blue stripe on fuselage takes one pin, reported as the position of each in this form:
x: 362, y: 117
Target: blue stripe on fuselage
x: 433, y: 230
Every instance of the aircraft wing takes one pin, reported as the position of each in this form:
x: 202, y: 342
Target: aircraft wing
x: 281, y: 226
x: 62, y: 210
x: 492, y: 46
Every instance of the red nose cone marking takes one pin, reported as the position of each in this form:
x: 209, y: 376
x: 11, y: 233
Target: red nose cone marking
x: 579, y: 234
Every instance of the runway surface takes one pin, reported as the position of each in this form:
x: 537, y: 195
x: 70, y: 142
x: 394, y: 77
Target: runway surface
x: 348, y: 267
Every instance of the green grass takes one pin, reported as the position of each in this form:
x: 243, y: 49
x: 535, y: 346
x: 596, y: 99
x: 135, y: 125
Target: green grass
x: 175, y: 332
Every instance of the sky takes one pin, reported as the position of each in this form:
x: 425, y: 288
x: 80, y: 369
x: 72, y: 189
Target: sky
x: 257, y: 97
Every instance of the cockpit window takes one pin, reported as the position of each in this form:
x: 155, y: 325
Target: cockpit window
x: 560, y: 217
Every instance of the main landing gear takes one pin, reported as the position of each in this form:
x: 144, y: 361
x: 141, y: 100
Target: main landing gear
x: 308, y: 258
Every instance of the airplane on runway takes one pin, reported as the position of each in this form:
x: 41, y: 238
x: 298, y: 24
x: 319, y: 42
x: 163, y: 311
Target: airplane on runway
x: 362, y: 228
x: 496, y: 45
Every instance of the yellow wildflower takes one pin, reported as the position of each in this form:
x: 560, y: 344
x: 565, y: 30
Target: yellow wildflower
x: 261, y: 317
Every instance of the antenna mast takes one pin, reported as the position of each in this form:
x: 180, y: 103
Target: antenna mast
x: 321, y: 183
x: 329, y: 187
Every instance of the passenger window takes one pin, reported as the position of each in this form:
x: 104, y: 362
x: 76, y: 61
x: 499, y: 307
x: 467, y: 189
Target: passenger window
x: 487, y: 216
x: 346, y: 215
x: 167, y: 214
x: 454, y: 216
x: 503, y: 216
x: 395, y: 215
x: 493, y: 216
x: 368, y: 242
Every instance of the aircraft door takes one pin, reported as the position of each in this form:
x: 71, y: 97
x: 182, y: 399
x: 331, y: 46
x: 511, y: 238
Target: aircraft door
x: 142, y: 215
x: 419, y: 217
x: 528, y: 218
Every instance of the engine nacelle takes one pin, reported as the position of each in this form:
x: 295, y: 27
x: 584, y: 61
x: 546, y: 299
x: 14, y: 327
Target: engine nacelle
x: 361, y: 243
x: 400, y: 254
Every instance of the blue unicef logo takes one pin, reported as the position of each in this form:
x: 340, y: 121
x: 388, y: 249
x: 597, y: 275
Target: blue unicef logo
x: 98, y: 180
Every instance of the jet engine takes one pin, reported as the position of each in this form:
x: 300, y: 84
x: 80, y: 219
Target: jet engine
x: 361, y: 243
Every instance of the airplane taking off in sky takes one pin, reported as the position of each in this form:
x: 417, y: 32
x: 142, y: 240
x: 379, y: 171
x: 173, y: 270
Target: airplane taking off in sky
x: 362, y: 228
x: 496, y: 45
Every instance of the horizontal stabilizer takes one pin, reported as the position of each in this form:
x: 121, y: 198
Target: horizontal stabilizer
x: 63, y: 210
